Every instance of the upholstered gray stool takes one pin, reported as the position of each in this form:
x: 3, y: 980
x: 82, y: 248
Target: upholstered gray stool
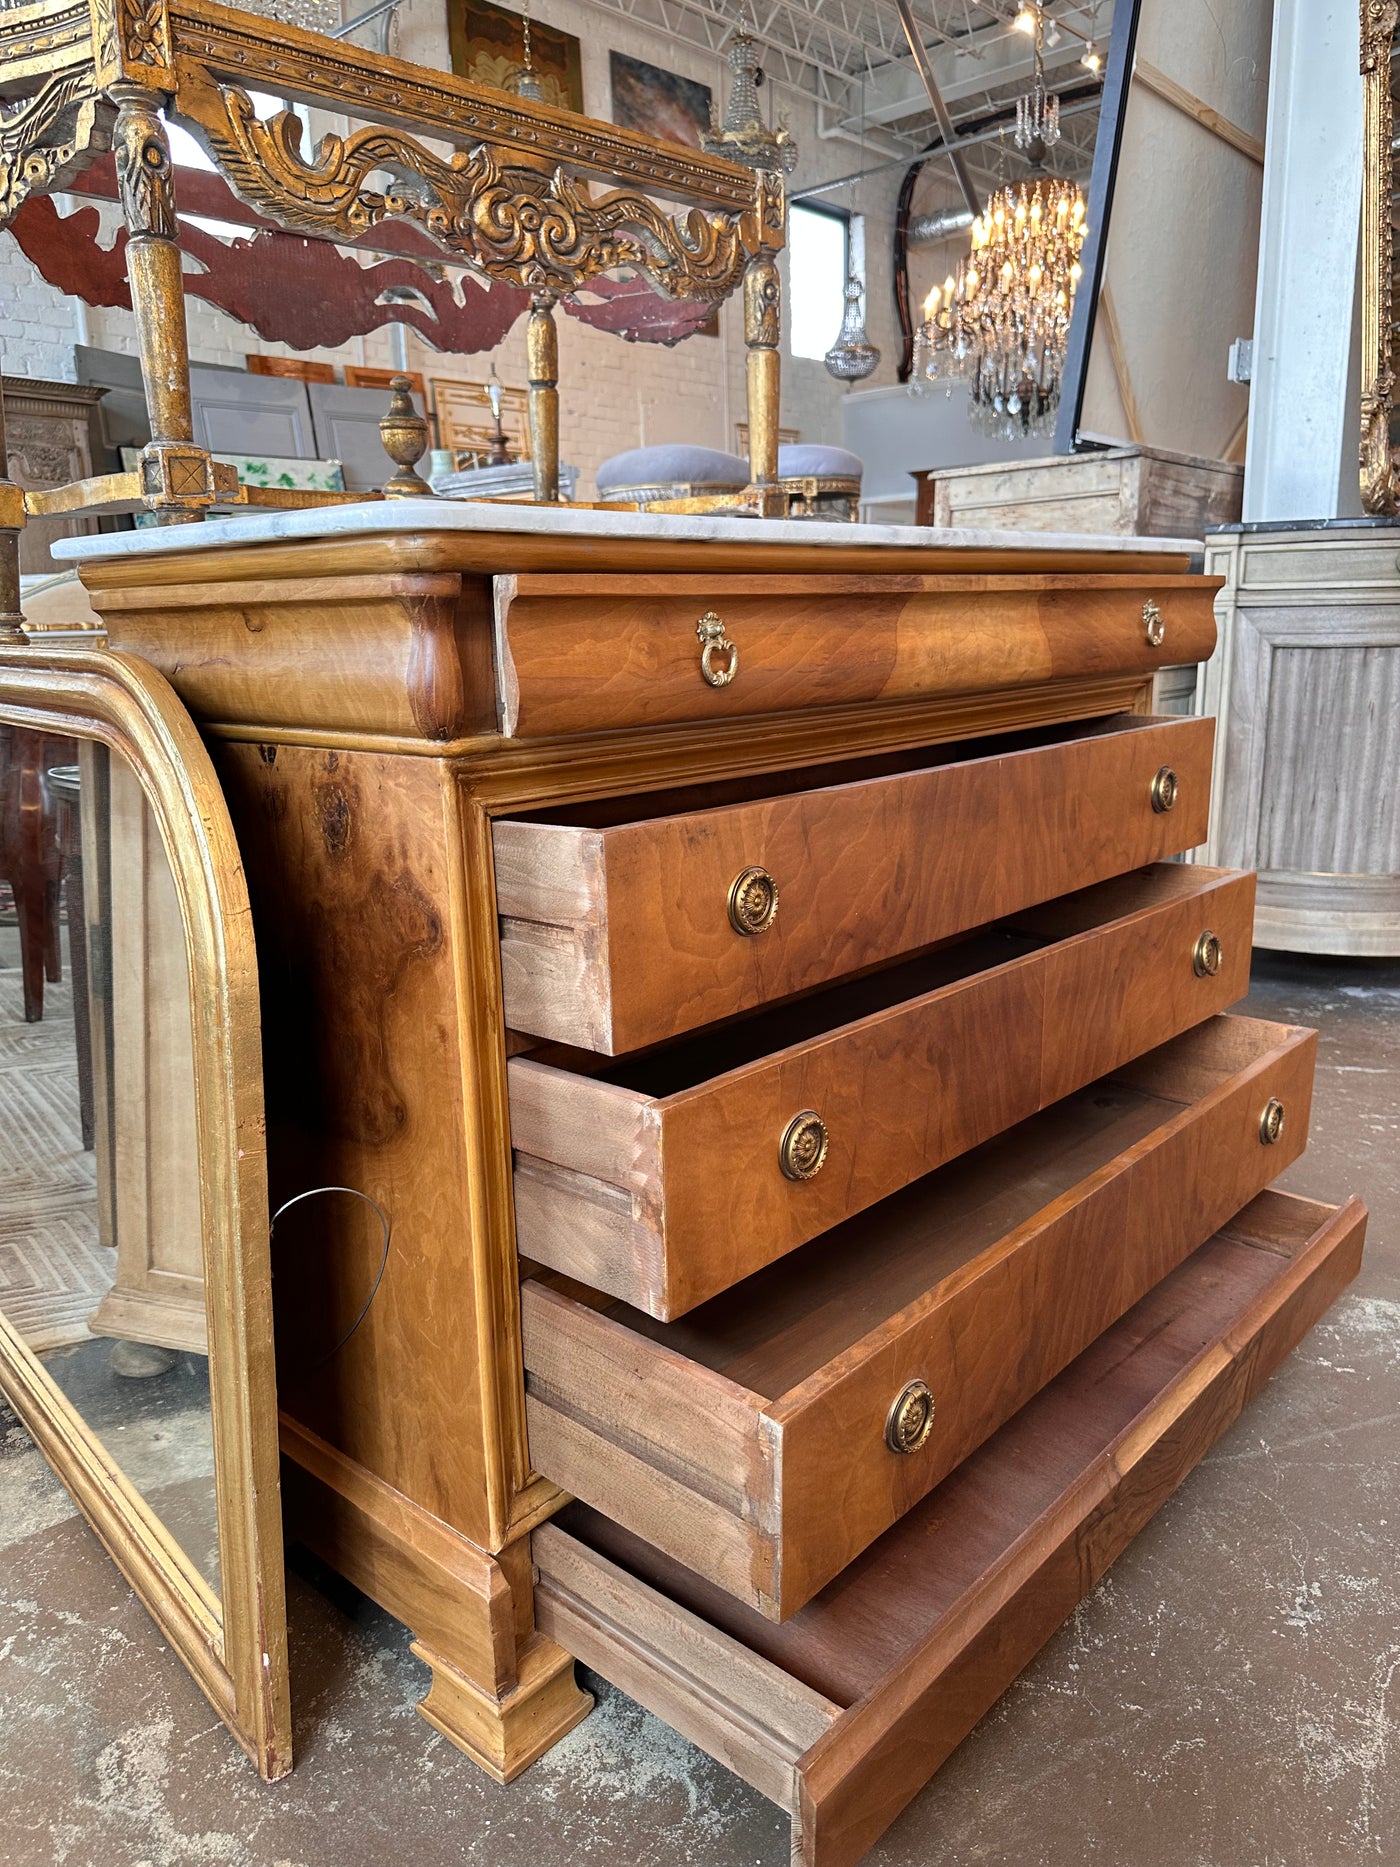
x: 822, y: 482
x: 676, y: 471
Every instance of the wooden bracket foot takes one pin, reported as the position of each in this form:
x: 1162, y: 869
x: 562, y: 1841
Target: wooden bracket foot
x: 506, y: 1734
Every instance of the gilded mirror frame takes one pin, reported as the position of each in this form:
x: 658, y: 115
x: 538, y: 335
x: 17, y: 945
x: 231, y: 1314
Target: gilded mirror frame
x: 233, y: 1642
x: 1380, y: 487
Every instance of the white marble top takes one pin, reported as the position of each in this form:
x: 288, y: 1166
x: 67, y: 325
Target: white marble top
x: 434, y: 515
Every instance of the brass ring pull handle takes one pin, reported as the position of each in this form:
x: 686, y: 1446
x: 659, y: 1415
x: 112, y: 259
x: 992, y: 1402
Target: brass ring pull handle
x: 910, y: 1418
x: 1154, y: 622
x: 753, y: 901
x: 1271, y: 1122
x: 802, y: 1150
x: 1207, y: 955
x: 1164, y: 789
x: 714, y: 642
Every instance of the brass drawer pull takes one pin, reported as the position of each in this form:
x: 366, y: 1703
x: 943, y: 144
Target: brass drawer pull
x: 753, y: 901
x: 1154, y: 622
x: 1208, y: 955
x: 1164, y: 790
x: 910, y: 1420
x: 802, y: 1150
x: 1271, y: 1121
x: 714, y: 642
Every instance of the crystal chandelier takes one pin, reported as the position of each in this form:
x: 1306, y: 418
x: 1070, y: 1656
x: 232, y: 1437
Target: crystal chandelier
x: 526, y: 81
x: 1002, y: 324
x: 852, y: 357
x: 744, y: 136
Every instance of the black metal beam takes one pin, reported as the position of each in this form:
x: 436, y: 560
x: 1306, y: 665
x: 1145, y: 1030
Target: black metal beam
x: 1102, y: 182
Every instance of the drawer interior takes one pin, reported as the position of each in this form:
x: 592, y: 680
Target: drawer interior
x: 685, y: 1063
x: 784, y: 1324
x: 606, y: 813
x: 848, y: 1639
x: 843, y: 1712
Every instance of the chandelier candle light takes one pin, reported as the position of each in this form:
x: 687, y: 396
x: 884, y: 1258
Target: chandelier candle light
x: 1002, y: 324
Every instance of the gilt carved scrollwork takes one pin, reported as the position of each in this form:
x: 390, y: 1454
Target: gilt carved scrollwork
x: 541, y: 228
x: 45, y: 138
x: 1380, y: 492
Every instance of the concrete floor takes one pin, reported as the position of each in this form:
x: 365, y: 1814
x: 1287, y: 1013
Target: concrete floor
x: 1226, y: 1698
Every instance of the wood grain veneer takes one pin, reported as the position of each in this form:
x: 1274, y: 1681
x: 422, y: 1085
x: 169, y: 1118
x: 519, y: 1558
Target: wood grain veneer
x: 748, y: 1439
x: 885, y: 1673
x: 572, y: 650
x: 618, y: 936
x: 615, y: 1180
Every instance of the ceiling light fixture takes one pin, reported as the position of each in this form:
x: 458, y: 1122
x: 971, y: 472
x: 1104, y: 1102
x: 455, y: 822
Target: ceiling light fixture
x: 1002, y: 323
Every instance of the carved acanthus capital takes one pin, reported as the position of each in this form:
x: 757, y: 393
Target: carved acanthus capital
x: 762, y: 304
x: 144, y: 175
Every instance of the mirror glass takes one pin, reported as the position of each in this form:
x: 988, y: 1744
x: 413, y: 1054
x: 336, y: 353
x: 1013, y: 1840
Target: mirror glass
x: 101, y: 1252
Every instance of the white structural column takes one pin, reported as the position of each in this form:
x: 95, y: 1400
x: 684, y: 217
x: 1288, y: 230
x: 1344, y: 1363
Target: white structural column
x: 1304, y: 416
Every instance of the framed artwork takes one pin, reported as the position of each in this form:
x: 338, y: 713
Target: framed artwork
x: 487, y: 48
x: 657, y: 102
x: 464, y: 421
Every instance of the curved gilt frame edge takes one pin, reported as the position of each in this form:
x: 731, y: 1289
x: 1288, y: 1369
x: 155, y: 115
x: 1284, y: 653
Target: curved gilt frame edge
x: 1380, y: 492
x: 126, y: 704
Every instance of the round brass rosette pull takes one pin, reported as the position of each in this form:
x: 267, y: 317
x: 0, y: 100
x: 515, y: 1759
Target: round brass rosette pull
x: 910, y: 1420
x: 1154, y: 623
x: 1207, y: 956
x: 1164, y: 790
x: 1271, y: 1121
x: 714, y: 643
x: 802, y: 1150
x: 753, y: 901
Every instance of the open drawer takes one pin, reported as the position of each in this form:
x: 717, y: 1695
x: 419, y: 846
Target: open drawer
x: 775, y: 1432
x: 842, y: 1714
x: 668, y: 1178
x: 629, y: 920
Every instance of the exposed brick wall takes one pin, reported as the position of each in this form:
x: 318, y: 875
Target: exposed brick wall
x: 613, y: 395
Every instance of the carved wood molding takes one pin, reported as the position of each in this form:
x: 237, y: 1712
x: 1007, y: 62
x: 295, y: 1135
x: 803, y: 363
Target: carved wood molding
x: 1380, y: 492
x: 46, y: 138
x: 540, y: 230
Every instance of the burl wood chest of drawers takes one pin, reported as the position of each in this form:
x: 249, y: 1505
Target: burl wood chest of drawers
x: 828, y: 1189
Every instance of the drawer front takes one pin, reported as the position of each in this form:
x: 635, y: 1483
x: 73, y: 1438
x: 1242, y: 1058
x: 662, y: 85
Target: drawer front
x: 578, y: 653
x: 793, y: 1478
x: 616, y: 938
x: 621, y: 1190
x: 842, y: 1714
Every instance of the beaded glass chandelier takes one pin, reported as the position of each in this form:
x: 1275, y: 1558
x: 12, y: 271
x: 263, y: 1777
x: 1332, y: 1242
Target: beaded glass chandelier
x: 1002, y: 323
x: 744, y: 136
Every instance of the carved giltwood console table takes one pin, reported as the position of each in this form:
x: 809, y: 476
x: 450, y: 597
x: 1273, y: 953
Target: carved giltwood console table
x: 802, y: 1103
x: 531, y: 196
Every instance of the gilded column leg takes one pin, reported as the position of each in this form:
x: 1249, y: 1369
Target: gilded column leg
x: 177, y: 476
x: 762, y: 333
x: 542, y: 352
x: 11, y: 524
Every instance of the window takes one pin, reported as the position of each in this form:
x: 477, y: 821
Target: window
x: 817, y: 256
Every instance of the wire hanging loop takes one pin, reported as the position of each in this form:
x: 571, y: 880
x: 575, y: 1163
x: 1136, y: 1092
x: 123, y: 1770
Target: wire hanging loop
x: 314, y: 1192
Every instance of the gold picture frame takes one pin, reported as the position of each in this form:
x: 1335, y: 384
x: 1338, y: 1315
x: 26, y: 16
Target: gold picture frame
x: 234, y: 1642
x: 1380, y: 488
